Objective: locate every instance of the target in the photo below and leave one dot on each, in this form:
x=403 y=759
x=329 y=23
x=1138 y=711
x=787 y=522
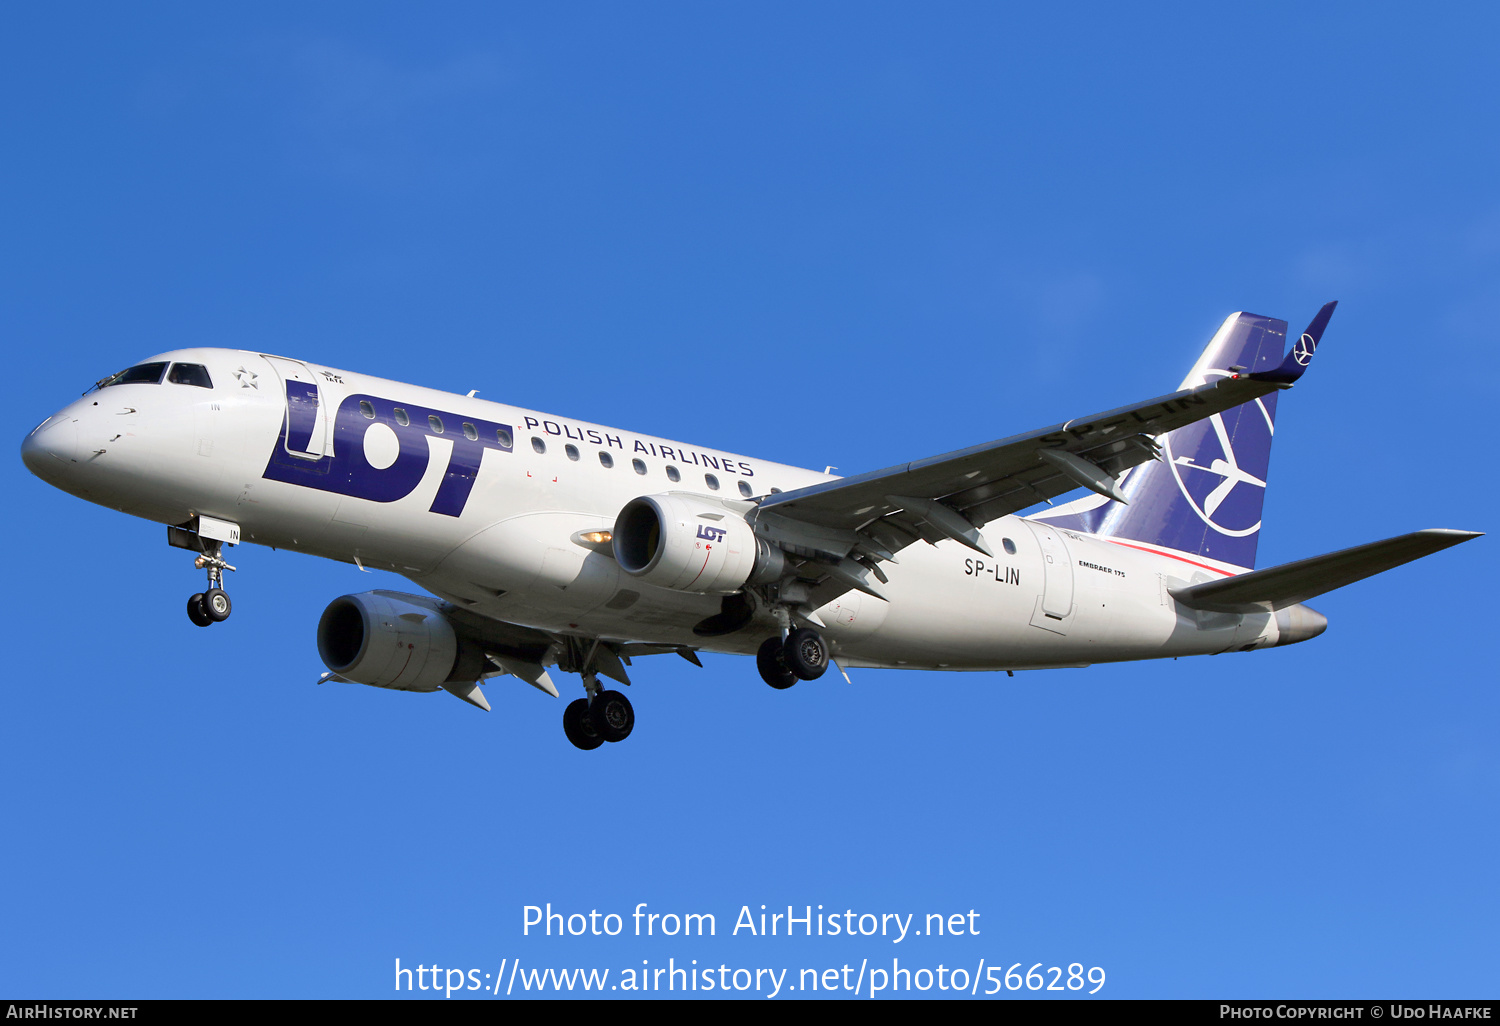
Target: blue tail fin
x=1205 y=495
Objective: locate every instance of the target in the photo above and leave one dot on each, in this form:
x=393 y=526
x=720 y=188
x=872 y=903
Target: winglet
x=1302 y=351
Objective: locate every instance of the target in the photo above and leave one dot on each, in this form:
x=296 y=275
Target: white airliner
x=550 y=542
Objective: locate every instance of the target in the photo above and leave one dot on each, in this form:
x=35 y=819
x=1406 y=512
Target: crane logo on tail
x=1225 y=490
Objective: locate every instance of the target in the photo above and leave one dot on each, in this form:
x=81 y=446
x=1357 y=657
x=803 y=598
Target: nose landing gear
x=211 y=605
x=207 y=536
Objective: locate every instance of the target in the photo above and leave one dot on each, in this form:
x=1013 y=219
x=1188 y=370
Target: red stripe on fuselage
x=1181 y=559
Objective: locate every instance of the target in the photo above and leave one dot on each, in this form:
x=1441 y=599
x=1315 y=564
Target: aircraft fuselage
x=485 y=504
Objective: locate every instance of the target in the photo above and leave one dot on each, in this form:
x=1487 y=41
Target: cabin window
x=673 y=474
x=572 y=451
x=471 y=432
x=745 y=489
x=190 y=374
x=606 y=460
x=367 y=410
x=1008 y=545
x=775 y=491
x=402 y=418
x=711 y=481
x=502 y=435
x=537 y=445
x=436 y=423
x=639 y=466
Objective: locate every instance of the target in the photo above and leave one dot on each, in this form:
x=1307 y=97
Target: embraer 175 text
x=551 y=542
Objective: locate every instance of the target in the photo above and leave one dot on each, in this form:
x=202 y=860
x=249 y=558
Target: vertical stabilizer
x=1204 y=496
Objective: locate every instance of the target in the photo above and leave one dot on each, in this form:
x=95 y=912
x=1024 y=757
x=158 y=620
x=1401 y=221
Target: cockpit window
x=140 y=374
x=190 y=374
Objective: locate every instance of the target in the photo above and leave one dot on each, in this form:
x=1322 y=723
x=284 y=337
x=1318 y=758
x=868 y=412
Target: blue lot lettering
x=348 y=472
x=712 y=534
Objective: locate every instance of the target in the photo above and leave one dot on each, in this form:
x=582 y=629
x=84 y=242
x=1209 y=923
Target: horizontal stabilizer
x=1278 y=587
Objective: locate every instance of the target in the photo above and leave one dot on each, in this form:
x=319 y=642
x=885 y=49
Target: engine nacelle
x=389 y=640
x=687 y=544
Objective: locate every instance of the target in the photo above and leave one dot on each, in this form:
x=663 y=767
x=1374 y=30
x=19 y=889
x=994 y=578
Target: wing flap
x=1278 y=587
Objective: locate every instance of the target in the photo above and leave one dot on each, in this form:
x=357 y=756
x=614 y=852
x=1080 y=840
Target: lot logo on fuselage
x=299 y=458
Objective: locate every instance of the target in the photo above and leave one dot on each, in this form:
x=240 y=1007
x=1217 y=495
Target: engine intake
x=388 y=640
x=686 y=544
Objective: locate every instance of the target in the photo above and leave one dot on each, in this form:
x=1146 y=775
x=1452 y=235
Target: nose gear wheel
x=196 y=612
x=216 y=605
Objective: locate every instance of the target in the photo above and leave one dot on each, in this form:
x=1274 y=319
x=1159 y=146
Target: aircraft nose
x=52 y=447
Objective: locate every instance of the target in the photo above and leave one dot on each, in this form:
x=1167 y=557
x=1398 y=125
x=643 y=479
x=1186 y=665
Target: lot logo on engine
x=712 y=534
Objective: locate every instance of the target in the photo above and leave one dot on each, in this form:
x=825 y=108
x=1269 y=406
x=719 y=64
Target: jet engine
x=687 y=544
x=390 y=640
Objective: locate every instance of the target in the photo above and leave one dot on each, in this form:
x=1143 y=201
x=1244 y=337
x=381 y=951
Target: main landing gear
x=603 y=716
x=801 y=655
x=212 y=605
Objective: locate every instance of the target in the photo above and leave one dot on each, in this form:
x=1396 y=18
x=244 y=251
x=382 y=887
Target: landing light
x=599 y=541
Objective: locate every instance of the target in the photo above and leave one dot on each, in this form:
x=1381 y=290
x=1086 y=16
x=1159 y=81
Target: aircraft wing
x=853 y=523
x=526 y=652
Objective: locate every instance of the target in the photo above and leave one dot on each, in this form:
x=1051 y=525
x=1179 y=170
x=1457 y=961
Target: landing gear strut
x=803 y=655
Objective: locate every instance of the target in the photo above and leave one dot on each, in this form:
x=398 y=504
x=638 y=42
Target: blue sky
x=845 y=234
